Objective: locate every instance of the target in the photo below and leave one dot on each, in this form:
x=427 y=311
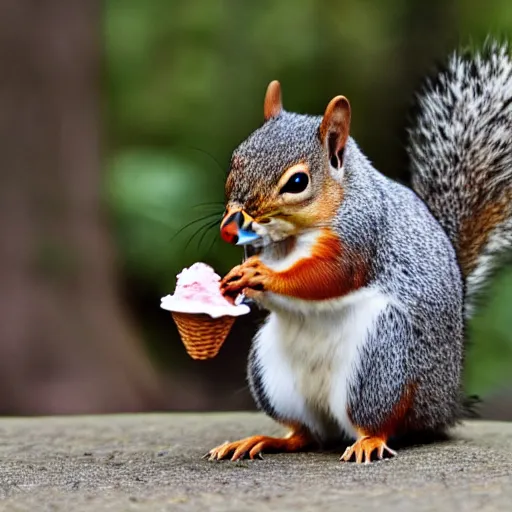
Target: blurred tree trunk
x=65 y=344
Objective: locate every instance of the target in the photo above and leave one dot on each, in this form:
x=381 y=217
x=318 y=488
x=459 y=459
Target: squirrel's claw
x=364 y=447
x=252 y=447
x=208 y=455
x=249 y=275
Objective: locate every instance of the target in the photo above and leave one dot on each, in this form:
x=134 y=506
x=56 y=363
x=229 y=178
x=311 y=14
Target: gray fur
x=419 y=339
x=461 y=152
x=259 y=162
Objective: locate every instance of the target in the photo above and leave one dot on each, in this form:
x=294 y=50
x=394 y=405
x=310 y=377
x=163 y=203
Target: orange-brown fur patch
x=336 y=120
x=475 y=231
x=265 y=202
x=312 y=213
x=324 y=208
x=328 y=273
x=272 y=106
x=397 y=420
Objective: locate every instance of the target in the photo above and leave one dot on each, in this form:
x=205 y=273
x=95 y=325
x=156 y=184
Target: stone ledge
x=153 y=462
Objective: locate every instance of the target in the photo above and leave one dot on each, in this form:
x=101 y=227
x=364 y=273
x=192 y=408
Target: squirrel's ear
x=272 y=106
x=335 y=128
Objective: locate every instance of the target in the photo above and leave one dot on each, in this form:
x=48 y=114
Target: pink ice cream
x=198 y=291
x=200 y=283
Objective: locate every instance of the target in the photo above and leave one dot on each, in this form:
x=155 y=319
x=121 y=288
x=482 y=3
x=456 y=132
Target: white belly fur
x=309 y=352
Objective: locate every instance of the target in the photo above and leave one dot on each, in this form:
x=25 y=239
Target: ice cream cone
x=202 y=335
x=202 y=314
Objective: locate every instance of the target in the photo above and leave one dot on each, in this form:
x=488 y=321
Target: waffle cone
x=201 y=334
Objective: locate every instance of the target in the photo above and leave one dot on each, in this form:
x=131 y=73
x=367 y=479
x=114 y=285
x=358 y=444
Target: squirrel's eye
x=296 y=184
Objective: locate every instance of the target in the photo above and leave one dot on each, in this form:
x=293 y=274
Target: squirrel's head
x=286 y=178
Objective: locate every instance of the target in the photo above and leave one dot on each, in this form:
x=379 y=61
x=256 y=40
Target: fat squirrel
x=369 y=284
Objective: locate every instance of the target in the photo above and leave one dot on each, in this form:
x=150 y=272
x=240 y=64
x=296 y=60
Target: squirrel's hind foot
x=253 y=447
x=364 y=447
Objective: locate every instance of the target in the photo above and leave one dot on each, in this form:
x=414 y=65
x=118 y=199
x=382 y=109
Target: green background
x=184 y=84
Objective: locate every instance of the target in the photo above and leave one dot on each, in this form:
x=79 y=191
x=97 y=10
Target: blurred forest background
x=117 y=121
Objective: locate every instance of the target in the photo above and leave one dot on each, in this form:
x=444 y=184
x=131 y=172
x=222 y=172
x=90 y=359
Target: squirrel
x=369 y=284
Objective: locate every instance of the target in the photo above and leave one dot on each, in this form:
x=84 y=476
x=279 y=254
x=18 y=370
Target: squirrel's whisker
x=204 y=227
x=207 y=231
x=218 y=167
x=193 y=222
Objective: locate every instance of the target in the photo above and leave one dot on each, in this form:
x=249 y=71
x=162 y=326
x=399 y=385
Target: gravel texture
x=153 y=463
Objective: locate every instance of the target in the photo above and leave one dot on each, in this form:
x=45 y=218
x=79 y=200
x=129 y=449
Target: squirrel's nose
x=230 y=225
x=237 y=228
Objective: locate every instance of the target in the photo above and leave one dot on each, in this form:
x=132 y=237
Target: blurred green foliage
x=185 y=84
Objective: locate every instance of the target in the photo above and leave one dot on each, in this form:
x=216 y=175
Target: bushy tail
x=460 y=147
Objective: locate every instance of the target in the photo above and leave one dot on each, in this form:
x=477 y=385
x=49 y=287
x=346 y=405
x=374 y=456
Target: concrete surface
x=153 y=463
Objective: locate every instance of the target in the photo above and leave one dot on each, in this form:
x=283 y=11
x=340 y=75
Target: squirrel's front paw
x=250 y=278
